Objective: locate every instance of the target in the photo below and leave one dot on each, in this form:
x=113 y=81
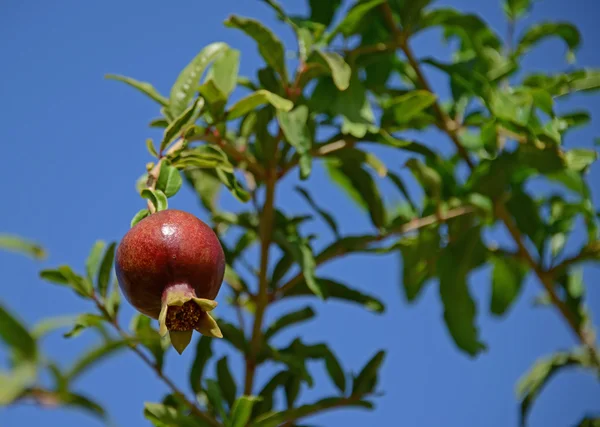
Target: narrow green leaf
x=207 y=187
x=169 y=180
x=78 y=401
x=532 y=383
x=20 y=245
x=203 y=355
x=515 y=9
x=213 y=391
x=113 y=302
x=156 y=197
x=48 y=325
x=327 y=217
x=360 y=186
x=256 y=99
x=407 y=107
x=16 y=336
x=419 y=257
x=226 y=381
x=144 y=87
x=453 y=267
x=340 y=291
x=295 y=128
x=233 y=185
x=242 y=410
x=139 y=216
x=274 y=419
x=224 y=71
x=580 y=159
x=269 y=46
x=106 y=269
x=366 y=381
x=292 y=389
x=149 y=337
x=85 y=321
x=181 y=122
x=150 y=147
x=159 y=122
x=340 y=70
x=351 y=21
x=16 y=381
x=92 y=263
x=507 y=277
x=302 y=252
x=93 y=357
x=289 y=319
x=184 y=88
x=166 y=416
x=566 y=31
x=63 y=275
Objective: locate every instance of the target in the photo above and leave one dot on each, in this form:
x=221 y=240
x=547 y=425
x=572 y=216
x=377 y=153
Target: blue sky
x=73 y=146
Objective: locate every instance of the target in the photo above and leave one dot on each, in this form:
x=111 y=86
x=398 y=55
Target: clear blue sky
x=73 y=146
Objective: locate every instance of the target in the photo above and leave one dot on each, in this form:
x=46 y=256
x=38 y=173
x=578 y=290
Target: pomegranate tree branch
x=152 y=365
x=449 y=127
x=412 y=225
x=262 y=298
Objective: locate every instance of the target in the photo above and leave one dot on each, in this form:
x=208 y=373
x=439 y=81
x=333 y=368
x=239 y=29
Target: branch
x=412 y=225
x=262 y=299
x=170 y=384
x=450 y=128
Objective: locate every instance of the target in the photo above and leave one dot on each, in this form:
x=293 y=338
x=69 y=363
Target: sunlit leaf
x=256 y=99
x=105 y=270
x=144 y=87
x=20 y=245
x=93 y=357
x=289 y=319
x=295 y=128
x=169 y=180
x=242 y=410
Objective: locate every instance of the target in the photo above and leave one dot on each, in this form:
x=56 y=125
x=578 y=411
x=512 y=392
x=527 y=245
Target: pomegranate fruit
x=170 y=267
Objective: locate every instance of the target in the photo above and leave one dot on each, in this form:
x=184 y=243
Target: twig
x=413 y=225
x=195 y=410
x=450 y=128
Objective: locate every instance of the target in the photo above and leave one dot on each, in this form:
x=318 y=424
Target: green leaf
x=226 y=381
x=408 y=106
x=169 y=180
x=256 y=99
x=213 y=391
x=515 y=9
x=156 y=197
x=233 y=185
x=63 y=275
x=166 y=416
x=302 y=252
x=150 y=146
x=589 y=422
x=224 y=71
x=295 y=128
x=327 y=217
x=214 y=97
x=242 y=410
x=532 y=383
x=106 y=269
x=292 y=389
x=366 y=381
x=146 y=88
x=428 y=177
x=207 y=187
x=269 y=46
x=453 y=267
x=203 y=355
x=93 y=357
x=580 y=159
x=353 y=18
x=85 y=321
x=507 y=277
x=360 y=186
x=184 y=88
x=278 y=418
x=339 y=291
x=568 y=32
x=289 y=319
x=323 y=12
x=181 y=122
x=20 y=245
x=16 y=381
x=113 y=302
x=584 y=80
x=48 y=325
x=16 y=336
x=143 y=213
x=339 y=69
x=419 y=258
x=78 y=401
x=92 y=263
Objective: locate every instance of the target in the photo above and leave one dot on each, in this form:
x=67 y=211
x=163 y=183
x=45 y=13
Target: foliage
x=356 y=79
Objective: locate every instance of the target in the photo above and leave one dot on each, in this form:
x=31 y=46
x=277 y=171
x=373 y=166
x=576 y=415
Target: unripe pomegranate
x=170 y=267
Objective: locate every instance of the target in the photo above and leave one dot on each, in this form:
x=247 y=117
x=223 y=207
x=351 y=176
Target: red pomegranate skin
x=165 y=249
